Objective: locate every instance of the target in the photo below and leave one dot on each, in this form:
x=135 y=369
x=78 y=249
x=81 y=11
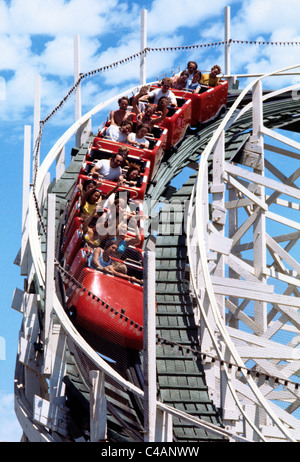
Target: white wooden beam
x=256 y=295
x=49 y=415
x=17 y=301
x=240 y=187
x=76 y=77
x=282 y=354
x=261 y=341
x=37 y=114
x=257 y=115
x=227 y=38
x=283 y=139
x=149 y=348
x=143 y=58
x=164 y=427
x=240 y=315
x=244 y=285
x=283 y=254
x=60 y=164
x=25 y=198
x=263 y=181
x=50 y=285
x=98 y=407
x=283 y=220
x=284 y=152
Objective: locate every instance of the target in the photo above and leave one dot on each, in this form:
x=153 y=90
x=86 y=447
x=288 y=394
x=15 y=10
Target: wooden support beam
x=261 y=180
x=149 y=347
x=98 y=407
x=51 y=416
x=164 y=427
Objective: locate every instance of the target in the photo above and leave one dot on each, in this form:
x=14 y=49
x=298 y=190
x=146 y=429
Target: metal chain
x=69 y=277
x=205 y=356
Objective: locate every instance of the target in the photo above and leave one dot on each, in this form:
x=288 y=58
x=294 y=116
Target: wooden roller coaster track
x=181 y=376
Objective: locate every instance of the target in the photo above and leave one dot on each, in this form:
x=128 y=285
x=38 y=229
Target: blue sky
x=36 y=38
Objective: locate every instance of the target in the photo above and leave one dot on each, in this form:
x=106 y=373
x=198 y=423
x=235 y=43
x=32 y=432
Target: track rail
x=82 y=359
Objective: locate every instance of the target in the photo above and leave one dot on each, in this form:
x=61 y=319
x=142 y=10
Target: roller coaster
x=220 y=292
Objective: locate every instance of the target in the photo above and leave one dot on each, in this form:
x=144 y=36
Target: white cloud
x=50 y=54
x=14 y=51
x=110 y=31
x=10 y=429
x=213 y=33
x=57 y=57
x=268 y=16
x=156 y=62
x=269 y=21
x=59 y=17
x=166 y=16
x=18 y=95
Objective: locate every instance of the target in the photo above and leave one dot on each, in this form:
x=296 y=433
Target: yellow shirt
x=206 y=79
x=88 y=209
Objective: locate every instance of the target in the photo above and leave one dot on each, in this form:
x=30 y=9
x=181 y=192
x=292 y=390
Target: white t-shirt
x=132 y=137
x=109 y=203
x=108 y=172
x=114 y=134
x=157 y=93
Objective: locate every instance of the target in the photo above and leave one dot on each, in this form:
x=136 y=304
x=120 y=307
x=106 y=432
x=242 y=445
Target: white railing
x=197 y=239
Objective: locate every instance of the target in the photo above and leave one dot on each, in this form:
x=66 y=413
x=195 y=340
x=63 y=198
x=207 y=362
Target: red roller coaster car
x=107 y=305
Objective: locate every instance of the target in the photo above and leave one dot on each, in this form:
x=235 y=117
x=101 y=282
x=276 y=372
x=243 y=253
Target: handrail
x=198 y=193
x=264 y=98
